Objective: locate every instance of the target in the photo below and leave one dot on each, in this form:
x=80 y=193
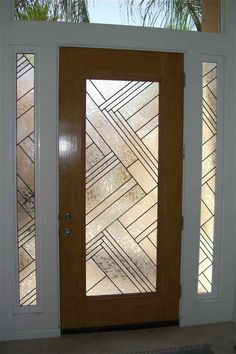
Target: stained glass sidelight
x=25 y=178
x=208 y=178
x=121 y=186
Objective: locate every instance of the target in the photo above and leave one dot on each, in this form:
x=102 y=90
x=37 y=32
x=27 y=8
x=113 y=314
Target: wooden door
x=120 y=148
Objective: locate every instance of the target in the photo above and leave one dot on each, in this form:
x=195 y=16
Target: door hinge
x=180 y=291
x=182 y=223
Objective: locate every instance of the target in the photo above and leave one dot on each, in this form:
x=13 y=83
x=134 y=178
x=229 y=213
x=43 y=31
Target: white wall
x=235 y=188
x=46 y=37
x=1 y=152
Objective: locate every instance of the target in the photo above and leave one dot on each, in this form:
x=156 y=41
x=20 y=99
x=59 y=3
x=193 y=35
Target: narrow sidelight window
x=25 y=178
x=208 y=177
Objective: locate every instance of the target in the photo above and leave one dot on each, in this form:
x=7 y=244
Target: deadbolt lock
x=67 y=231
x=67 y=216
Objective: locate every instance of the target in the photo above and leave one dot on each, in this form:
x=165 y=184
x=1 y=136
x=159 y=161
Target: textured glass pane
x=121 y=186
x=209 y=116
x=25 y=157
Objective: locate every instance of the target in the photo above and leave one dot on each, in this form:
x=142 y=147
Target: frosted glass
x=207 y=218
x=121 y=186
x=25 y=169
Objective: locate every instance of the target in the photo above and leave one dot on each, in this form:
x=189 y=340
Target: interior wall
x=46 y=38
x=1 y=184
x=235 y=197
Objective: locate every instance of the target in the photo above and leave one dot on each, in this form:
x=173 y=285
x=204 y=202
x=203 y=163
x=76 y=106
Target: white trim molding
x=47 y=38
x=19 y=335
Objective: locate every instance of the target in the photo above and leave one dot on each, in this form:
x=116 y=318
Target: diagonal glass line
x=18 y=77
x=33 y=259
x=212 y=170
x=151 y=239
x=107 y=169
x=107 y=276
x=121 y=265
x=124 y=193
x=105 y=164
x=205 y=269
x=25 y=183
x=32 y=218
x=25 y=94
x=93 y=286
x=29 y=294
x=127 y=130
x=206 y=241
x=22 y=66
x=131 y=91
x=32 y=302
x=26 y=227
x=99 y=164
x=205 y=250
x=208 y=140
x=151 y=169
x=209 y=88
x=203 y=201
x=118 y=94
x=90 y=243
x=28 y=136
x=92 y=83
x=132 y=96
x=142 y=235
x=130 y=260
x=145 y=105
x=207 y=85
x=209 y=110
x=25 y=153
x=94 y=252
x=209 y=155
x=207 y=279
x=146 y=286
x=143 y=126
x=137 y=243
x=140 y=215
x=208 y=72
x=26 y=239
x=210 y=126
x=94 y=248
x=31 y=263
x=109 y=200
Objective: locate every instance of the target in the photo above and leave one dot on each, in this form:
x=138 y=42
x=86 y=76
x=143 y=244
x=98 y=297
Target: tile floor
x=222 y=336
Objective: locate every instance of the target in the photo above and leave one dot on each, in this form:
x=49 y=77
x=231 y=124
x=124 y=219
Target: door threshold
x=125 y=327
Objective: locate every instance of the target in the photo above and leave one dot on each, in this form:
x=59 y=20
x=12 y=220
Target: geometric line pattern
x=208 y=177
x=122 y=122
x=25 y=169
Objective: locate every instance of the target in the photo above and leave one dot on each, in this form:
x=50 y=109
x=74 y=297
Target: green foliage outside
x=172 y=14
x=52 y=10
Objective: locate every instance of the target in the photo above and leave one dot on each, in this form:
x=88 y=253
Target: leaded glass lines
x=121 y=186
x=208 y=178
x=25 y=178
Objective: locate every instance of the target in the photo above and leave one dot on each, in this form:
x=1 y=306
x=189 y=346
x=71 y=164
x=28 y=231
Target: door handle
x=67 y=231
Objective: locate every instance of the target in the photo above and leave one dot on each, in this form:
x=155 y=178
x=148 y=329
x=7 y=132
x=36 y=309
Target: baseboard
x=33 y=334
x=195 y=321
